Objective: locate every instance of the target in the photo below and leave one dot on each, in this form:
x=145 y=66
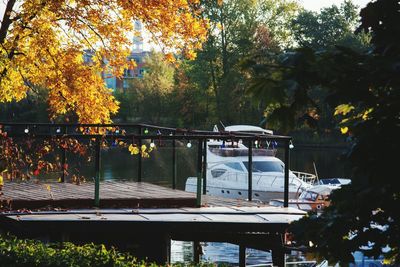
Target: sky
x=314 y=5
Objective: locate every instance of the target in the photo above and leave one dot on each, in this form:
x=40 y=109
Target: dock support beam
x=250 y=171
x=242 y=256
x=205 y=167
x=197 y=251
x=154 y=247
x=278 y=257
x=174 y=173
x=199 y=171
x=97 y=174
x=286 y=184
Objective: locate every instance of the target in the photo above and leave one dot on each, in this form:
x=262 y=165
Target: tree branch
x=5 y=25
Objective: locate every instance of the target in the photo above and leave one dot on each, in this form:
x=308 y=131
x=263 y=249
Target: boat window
x=308 y=195
x=265 y=166
x=217 y=172
x=234 y=165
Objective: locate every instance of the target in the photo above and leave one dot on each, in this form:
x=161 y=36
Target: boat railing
x=276 y=178
x=306 y=177
x=241 y=177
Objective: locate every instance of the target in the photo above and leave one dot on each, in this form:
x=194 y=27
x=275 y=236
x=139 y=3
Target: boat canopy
x=248 y=129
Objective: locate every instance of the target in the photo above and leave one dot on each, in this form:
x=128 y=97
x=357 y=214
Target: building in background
x=138 y=55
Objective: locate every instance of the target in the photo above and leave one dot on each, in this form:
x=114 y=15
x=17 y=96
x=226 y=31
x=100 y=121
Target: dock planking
x=113 y=194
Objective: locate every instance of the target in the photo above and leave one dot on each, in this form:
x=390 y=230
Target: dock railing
x=137 y=133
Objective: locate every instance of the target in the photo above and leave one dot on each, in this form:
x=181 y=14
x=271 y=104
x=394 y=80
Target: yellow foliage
x=170 y=57
x=365 y=115
x=43 y=44
x=344 y=130
x=133 y=149
x=144 y=152
x=343 y=109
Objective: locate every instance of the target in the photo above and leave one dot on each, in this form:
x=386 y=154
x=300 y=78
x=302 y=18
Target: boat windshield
x=265 y=166
x=234 y=165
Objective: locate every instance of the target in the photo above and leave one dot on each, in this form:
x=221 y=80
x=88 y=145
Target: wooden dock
x=113 y=194
x=148 y=215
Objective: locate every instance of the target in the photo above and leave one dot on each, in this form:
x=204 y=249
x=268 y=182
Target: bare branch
x=6 y=22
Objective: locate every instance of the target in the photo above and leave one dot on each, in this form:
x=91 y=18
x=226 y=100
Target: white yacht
x=227 y=170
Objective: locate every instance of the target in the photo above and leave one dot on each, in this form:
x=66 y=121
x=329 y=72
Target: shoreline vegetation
x=15 y=252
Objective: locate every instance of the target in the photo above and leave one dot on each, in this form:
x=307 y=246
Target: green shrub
x=16 y=252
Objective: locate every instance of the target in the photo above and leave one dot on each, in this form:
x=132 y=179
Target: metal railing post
x=250 y=171
x=286 y=185
x=199 y=168
x=205 y=167
x=174 y=164
x=97 y=174
x=139 y=179
x=63 y=159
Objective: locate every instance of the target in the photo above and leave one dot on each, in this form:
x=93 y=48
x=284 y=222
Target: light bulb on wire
x=189 y=145
x=291 y=146
x=152 y=145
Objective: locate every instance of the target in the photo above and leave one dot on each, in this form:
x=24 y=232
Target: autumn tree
x=42 y=44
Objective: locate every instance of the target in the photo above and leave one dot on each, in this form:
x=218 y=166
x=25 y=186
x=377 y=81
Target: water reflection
x=219 y=253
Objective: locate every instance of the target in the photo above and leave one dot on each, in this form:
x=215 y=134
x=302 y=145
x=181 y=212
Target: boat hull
x=240 y=193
